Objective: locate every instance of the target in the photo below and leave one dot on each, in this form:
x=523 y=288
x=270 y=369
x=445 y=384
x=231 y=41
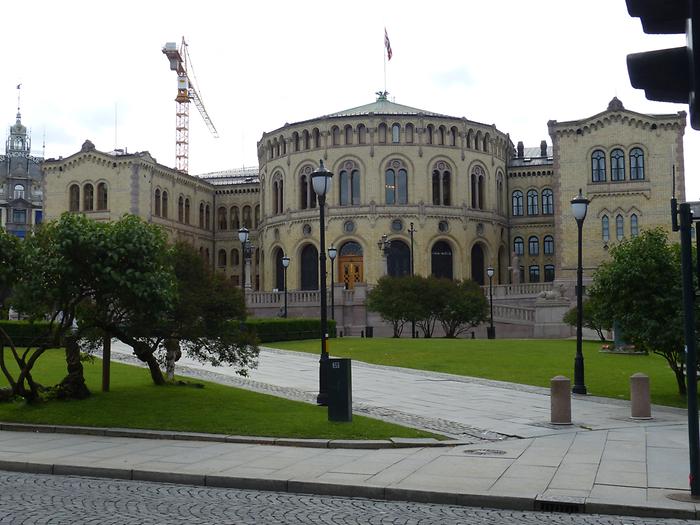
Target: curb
x=222 y=438
x=377 y=492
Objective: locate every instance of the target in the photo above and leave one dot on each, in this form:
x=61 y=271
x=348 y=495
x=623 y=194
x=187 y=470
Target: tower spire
x=19 y=91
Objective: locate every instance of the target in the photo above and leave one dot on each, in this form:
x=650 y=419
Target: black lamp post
x=491 y=330
x=321 y=180
x=332 y=253
x=243 y=237
x=411 y=231
x=285 y=265
x=579 y=207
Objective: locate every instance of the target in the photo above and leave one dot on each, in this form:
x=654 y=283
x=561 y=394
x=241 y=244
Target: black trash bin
x=369 y=331
x=339 y=390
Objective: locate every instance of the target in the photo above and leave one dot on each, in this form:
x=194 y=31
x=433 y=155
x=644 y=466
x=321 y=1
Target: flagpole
x=384 y=55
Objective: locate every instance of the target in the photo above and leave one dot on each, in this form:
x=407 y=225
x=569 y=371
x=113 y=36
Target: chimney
x=521 y=149
x=543 y=148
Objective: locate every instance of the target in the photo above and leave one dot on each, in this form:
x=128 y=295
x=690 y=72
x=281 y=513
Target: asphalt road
x=29 y=499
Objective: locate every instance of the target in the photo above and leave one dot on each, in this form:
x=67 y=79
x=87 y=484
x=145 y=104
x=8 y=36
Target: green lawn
x=134 y=402
x=531 y=362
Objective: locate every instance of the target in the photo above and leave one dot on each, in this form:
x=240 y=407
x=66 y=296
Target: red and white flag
x=387 y=44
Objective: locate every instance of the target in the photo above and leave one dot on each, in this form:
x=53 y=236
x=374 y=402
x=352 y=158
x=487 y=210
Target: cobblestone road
x=38 y=499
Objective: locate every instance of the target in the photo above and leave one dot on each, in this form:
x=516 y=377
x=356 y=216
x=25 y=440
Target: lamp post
x=332 y=253
x=285 y=265
x=243 y=237
x=579 y=207
x=411 y=231
x=321 y=180
x=491 y=330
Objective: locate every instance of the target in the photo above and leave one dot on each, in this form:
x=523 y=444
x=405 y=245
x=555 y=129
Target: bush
x=276 y=329
x=25 y=333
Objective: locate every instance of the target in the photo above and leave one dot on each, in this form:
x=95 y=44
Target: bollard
x=362 y=333
x=560 y=395
x=640 y=396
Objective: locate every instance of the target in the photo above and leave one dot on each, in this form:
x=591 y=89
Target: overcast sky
x=512 y=63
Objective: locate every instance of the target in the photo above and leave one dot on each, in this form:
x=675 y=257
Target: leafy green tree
x=593 y=317
x=464 y=307
x=388 y=299
x=640 y=288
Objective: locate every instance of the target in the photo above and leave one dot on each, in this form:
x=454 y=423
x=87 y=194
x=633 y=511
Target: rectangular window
x=548 y=273
x=534 y=274
x=38 y=217
x=19 y=216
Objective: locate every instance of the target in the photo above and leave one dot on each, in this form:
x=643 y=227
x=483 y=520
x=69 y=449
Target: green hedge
x=24 y=333
x=276 y=329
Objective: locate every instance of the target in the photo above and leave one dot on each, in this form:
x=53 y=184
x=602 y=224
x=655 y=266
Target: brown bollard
x=561 y=400
x=640 y=396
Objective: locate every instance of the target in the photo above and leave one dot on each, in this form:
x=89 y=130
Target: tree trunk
x=145 y=353
x=73 y=385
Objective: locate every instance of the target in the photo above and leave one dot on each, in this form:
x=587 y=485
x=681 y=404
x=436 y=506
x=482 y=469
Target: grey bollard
x=560 y=400
x=640 y=396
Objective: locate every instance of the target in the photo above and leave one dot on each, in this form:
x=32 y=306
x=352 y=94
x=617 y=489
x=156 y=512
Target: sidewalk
x=605 y=463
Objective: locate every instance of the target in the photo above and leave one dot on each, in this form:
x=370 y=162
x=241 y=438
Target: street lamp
x=579 y=207
x=285 y=265
x=332 y=253
x=243 y=237
x=411 y=231
x=491 y=330
x=321 y=180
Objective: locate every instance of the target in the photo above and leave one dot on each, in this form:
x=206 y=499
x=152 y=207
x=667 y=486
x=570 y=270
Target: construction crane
x=186 y=91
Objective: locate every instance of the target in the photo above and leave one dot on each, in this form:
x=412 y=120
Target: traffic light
x=668 y=75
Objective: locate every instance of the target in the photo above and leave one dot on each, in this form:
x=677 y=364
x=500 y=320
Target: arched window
x=181 y=209
x=207 y=217
x=431 y=133
x=221 y=259
x=477 y=183
x=547 y=202
x=283 y=142
x=102 y=197
x=441 y=184
x=487 y=141
x=235 y=220
x=548 y=245
x=295 y=141
x=277 y=194
x=381 y=131
x=517 y=203
x=453 y=136
x=634 y=225
x=19 y=191
x=349 y=186
x=617 y=165
x=335 y=135
x=306 y=138
x=409 y=133
x=534 y=272
x=157 y=203
x=361 y=134
x=478 y=267
x=499 y=193
x=532 y=199
x=247 y=223
x=165 y=204
x=309 y=268
x=235 y=257
x=598 y=166
x=605 y=223
x=348 y=134
x=477 y=141
x=317 y=137
x=441 y=260
x=533 y=245
x=74 y=198
x=470 y=138
x=398 y=260
x=441 y=135
x=396 y=183
x=395 y=133
x=257 y=215
x=548 y=273
x=201 y=215
x=636 y=164
x=221 y=219
x=88 y=197
x=619 y=227
x=518 y=246
x=187 y=213
x=306 y=190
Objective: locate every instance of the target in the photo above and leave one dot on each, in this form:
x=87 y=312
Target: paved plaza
x=505 y=454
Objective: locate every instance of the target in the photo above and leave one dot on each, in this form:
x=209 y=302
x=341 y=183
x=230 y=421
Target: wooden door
x=350 y=271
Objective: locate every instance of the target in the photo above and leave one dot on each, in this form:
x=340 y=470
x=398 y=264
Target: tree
x=204 y=318
x=640 y=288
x=593 y=317
x=387 y=299
x=464 y=307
